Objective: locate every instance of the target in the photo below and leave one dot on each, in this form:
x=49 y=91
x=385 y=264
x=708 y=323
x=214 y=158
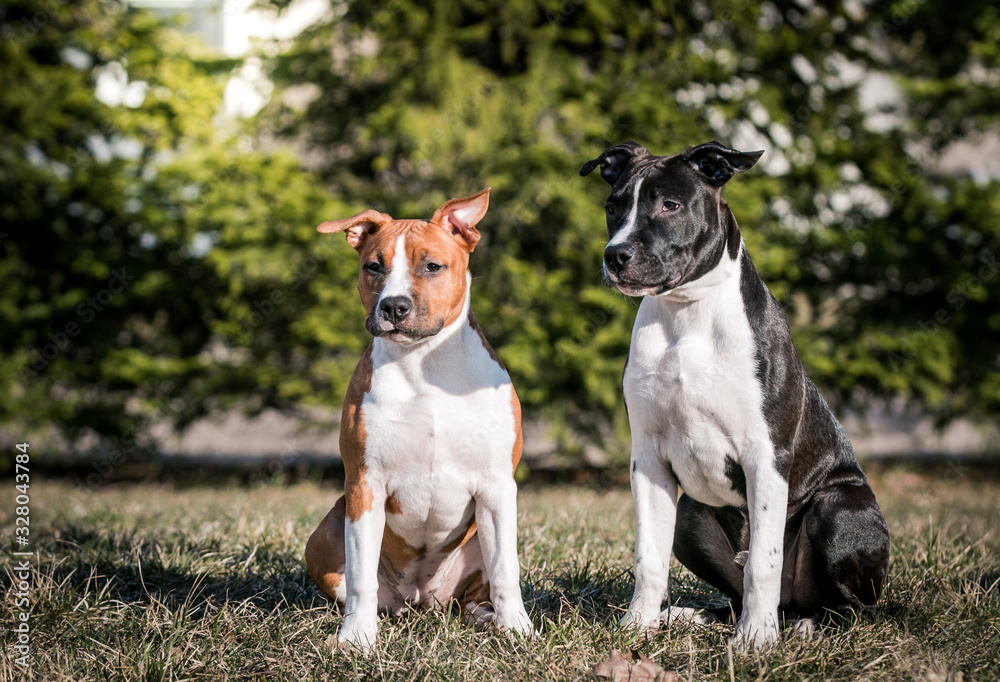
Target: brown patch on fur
x=352 y=440
x=325 y=551
x=473 y=589
x=397 y=551
x=392 y=506
x=382 y=247
x=359 y=495
x=462 y=538
x=515 y=406
x=438 y=296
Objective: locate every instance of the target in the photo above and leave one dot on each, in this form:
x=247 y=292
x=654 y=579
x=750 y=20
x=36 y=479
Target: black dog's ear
x=717 y=163
x=614 y=160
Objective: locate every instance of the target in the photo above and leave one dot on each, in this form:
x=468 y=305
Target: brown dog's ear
x=614 y=160
x=358 y=227
x=460 y=216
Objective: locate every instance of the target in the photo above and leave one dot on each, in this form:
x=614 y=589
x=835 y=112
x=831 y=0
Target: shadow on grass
x=176 y=572
x=203 y=574
x=600 y=593
x=591 y=592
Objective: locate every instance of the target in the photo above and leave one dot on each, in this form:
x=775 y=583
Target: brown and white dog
x=430 y=437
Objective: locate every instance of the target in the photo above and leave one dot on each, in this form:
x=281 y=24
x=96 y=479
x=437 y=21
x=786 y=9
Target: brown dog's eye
x=374 y=268
x=433 y=267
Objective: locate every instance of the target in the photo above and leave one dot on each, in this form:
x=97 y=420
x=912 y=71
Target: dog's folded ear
x=614 y=160
x=358 y=227
x=460 y=216
x=718 y=163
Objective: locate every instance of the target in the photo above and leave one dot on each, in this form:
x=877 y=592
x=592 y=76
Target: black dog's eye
x=433 y=267
x=374 y=268
x=610 y=209
x=669 y=206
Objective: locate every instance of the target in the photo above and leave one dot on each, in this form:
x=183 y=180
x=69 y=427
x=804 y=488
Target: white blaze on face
x=399 y=282
x=625 y=230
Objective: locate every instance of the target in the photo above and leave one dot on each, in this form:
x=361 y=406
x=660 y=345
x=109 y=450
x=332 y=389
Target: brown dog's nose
x=394 y=309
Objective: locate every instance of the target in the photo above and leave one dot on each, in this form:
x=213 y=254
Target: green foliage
x=115 y=311
x=887 y=269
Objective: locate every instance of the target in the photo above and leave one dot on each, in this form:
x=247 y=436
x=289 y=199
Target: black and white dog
x=776 y=513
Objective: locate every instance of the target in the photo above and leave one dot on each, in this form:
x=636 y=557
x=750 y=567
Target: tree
x=156 y=266
x=887 y=269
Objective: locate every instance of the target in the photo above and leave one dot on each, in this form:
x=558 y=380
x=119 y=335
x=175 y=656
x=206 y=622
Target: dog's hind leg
x=474 y=596
x=849 y=546
x=325 y=554
x=712 y=543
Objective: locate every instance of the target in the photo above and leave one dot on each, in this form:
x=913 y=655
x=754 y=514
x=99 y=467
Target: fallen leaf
x=635 y=668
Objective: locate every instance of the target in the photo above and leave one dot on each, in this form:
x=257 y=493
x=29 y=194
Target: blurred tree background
x=886 y=264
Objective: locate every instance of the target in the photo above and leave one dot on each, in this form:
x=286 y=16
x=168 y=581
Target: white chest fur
x=440 y=426
x=691 y=384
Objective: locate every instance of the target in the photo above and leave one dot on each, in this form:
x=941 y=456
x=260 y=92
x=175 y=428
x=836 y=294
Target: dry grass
x=156 y=583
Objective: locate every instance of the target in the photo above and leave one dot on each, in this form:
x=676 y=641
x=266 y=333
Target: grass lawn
x=151 y=582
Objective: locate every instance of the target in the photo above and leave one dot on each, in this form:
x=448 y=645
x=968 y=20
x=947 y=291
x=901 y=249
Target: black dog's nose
x=617 y=256
x=395 y=308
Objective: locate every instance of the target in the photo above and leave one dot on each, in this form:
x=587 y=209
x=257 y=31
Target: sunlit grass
x=152 y=582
